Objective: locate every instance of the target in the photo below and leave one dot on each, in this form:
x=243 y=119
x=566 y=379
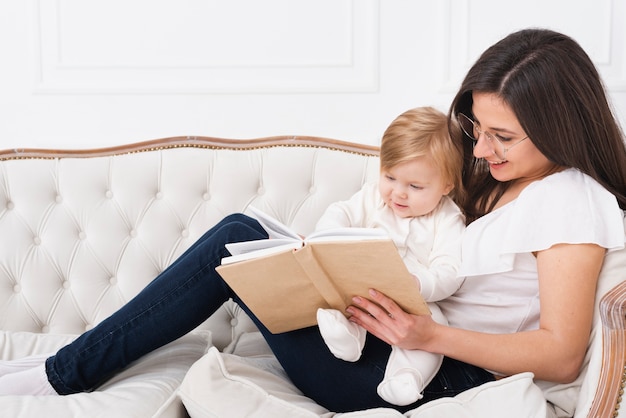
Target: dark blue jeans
x=188 y=292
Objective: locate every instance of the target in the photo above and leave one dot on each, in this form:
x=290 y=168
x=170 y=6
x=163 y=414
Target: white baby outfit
x=430 y=246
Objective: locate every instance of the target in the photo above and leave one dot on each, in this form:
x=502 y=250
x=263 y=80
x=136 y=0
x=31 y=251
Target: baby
x=419 y=167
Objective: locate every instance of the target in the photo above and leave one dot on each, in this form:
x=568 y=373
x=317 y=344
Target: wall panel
x=92 y=73
x=206 y=47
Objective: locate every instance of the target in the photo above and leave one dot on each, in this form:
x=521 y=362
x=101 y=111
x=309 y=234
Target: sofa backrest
x=81 y=232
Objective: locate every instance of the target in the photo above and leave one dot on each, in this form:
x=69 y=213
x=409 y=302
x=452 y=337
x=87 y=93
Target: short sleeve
x=568 y=207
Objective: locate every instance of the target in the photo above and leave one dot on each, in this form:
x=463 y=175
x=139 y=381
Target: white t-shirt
x=429 y=245
x=500 y=292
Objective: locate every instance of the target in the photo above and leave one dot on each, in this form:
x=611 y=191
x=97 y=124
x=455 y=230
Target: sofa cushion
x=514 y=396
x=147 y=388
x=215 y=385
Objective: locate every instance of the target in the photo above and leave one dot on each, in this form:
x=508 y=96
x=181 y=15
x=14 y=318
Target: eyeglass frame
x=490 y=136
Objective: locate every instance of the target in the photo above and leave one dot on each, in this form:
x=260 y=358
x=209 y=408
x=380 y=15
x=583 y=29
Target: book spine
x=320 y=279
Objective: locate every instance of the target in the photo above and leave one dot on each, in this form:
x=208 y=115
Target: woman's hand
x=382 y=317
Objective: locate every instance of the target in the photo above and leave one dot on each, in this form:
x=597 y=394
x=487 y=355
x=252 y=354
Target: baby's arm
x=440 y=278
x=350 y=213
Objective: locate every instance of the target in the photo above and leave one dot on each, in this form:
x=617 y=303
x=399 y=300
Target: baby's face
x=413 y=188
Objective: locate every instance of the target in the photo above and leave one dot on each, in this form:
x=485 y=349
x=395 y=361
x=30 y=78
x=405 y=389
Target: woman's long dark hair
x=555 y=91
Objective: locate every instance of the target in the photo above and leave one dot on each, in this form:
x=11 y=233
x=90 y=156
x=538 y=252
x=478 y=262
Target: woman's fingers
x=366 y=314
x=385 y=319
x=380 y=307
x=377 y=315
x=387 y=304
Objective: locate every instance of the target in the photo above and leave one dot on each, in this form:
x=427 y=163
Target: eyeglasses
x=496 y=143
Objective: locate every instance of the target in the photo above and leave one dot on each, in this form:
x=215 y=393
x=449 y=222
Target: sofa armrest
x=610 y=388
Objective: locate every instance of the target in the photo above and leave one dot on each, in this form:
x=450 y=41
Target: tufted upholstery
x=80 y=235
x=81 y=232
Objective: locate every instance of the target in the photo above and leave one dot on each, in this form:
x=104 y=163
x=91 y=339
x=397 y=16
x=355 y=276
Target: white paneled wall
x=91 y=73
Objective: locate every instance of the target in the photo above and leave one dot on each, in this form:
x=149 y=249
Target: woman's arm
x=568 y=275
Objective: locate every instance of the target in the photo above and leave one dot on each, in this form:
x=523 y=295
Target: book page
x=247 y=250
x=273 y=226
x=244 y=247
x=283 y=238
x=278 y=230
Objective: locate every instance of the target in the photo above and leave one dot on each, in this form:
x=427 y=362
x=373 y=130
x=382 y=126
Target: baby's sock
x=33 y=381
x=14 y=366
x=403 y=388
x=344 y=339
x=406 y=375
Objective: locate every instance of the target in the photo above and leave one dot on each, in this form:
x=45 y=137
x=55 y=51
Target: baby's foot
x=403 y=388
x=344 y=339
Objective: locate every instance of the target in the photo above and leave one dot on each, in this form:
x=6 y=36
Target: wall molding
x=467 y=36
x=345 y=60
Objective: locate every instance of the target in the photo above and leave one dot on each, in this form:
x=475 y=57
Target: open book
x=283 y=238
x=286 y=278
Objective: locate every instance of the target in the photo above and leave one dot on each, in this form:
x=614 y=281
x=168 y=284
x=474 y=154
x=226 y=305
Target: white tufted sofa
x=81 y=232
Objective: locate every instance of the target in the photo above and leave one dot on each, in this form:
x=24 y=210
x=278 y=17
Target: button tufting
x=159 y=195
x=184 y=233
x=113 y=280
x=45 y=329
x=37 y=241
x=17 y=288
x=59 y=198
x=234 y=322
x=312 y=189
x=261 y=191
x=10 y=205
x=206 y=196
x=132 y=233
x=108 y=194
x=82 y=235
x=66 y=284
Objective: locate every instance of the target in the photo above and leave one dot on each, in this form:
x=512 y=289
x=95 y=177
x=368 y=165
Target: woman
x=546 y=152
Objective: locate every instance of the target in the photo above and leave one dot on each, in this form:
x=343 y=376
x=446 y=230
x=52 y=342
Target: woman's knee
x=240 y=227
x=242 y=219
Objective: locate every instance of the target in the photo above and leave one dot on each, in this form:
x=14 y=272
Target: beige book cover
x=284 y=289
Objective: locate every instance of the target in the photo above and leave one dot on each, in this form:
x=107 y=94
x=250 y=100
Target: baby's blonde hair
x=423 y=131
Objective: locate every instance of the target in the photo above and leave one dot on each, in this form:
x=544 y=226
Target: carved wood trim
x=193 y=141
x=608 y=397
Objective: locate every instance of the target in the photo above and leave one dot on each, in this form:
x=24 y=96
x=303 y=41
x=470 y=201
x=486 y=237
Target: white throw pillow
x=514 y=396
x=222 y=384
